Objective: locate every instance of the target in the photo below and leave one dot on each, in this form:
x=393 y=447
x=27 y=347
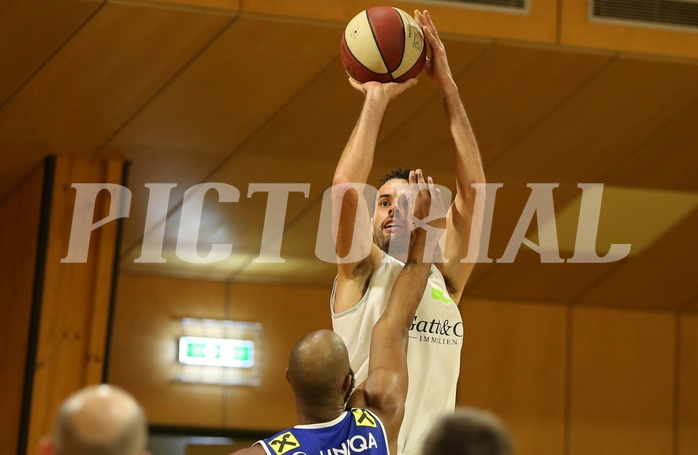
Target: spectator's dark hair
x=468 y=431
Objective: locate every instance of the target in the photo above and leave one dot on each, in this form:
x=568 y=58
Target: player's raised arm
x=467 y=165
x=350 y=213
x=385 y=389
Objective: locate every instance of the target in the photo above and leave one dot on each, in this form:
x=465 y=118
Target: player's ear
x=286 y=374
x=349 y=383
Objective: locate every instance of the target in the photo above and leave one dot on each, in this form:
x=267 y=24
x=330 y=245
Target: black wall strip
x=114 y=283
x=37 y=296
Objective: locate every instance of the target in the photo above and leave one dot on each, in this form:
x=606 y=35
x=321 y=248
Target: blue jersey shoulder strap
x=357 y=431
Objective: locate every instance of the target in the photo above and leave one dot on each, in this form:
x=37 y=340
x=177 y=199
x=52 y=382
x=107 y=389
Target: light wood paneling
x=667 y=265
x=603 y=123
x=18 y=243
x=20 y=156
x=182 y=88
x=524 y=85
x=513 y=363
x=31 y=31
x=577 y=30
x=219 y=100
x=669 y=160
x=242 y=223
x=528 y=277
x=85 y=97
x=622 y=382
x=144 y=347
x=688 y=392
x=287 y=313
x=75 y=298
x=218 y=104
x=223 y=5
x=537 y=24
x=159 y=166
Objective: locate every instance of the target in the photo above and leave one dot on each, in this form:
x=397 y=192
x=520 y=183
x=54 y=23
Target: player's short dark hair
x=398 y=173
x=469 y=431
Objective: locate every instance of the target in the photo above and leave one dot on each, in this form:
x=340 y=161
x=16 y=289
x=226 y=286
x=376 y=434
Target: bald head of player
x=320 y=376
x=98 y=420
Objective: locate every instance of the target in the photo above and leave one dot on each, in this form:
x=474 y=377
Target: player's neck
x=393 y=250
x=399 y=255
x=308 y=415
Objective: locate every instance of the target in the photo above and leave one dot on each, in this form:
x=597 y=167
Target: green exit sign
x=221 y=352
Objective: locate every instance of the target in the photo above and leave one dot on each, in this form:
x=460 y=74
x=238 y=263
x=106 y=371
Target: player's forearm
x=391 y=331
x=354 y=167
x=410 y=284
x=357 y=158
x=468 y=163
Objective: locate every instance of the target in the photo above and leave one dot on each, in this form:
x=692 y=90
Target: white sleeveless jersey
x=433 y=353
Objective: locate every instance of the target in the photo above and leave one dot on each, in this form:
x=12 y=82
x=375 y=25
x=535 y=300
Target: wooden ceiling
x=200 y=93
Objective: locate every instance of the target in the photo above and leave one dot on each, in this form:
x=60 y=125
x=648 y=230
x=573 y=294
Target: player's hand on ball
x=389 y=89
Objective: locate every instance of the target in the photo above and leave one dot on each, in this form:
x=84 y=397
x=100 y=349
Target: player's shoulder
x=367 y=420
x=455 y=277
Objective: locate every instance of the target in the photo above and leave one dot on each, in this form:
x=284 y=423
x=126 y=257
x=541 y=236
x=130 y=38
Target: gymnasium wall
x=579 y=380
x=565 y=23
x=18 y=243
x=566 y=379
x=144 y=348
x=54 y=325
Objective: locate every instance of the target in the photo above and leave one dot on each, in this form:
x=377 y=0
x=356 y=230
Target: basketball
x=383 y=44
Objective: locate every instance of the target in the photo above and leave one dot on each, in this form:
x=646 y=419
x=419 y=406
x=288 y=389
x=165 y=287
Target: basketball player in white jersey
x=330 y=420
x=366 y=271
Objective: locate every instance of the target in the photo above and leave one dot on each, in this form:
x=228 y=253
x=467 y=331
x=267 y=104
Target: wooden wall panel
x=524 y=85
x=577 y=30
x=75 y=298
x=513 y=364
x=144 y=348
x=669 y=285
x=538 y=24
x=622 y=382
x=602 y=123
x=287 y=313
x=604 y=387
x=675 y=173
x=19 y=232
x=36 y=29
x=232 y=87
x=223 y=5
x=688 y=386
x=103 y=74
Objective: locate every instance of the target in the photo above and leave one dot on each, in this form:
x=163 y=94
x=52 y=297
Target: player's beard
x=393 y=245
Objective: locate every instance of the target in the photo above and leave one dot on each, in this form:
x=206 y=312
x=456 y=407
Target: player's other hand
x=436 y=66
x=428 y=205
